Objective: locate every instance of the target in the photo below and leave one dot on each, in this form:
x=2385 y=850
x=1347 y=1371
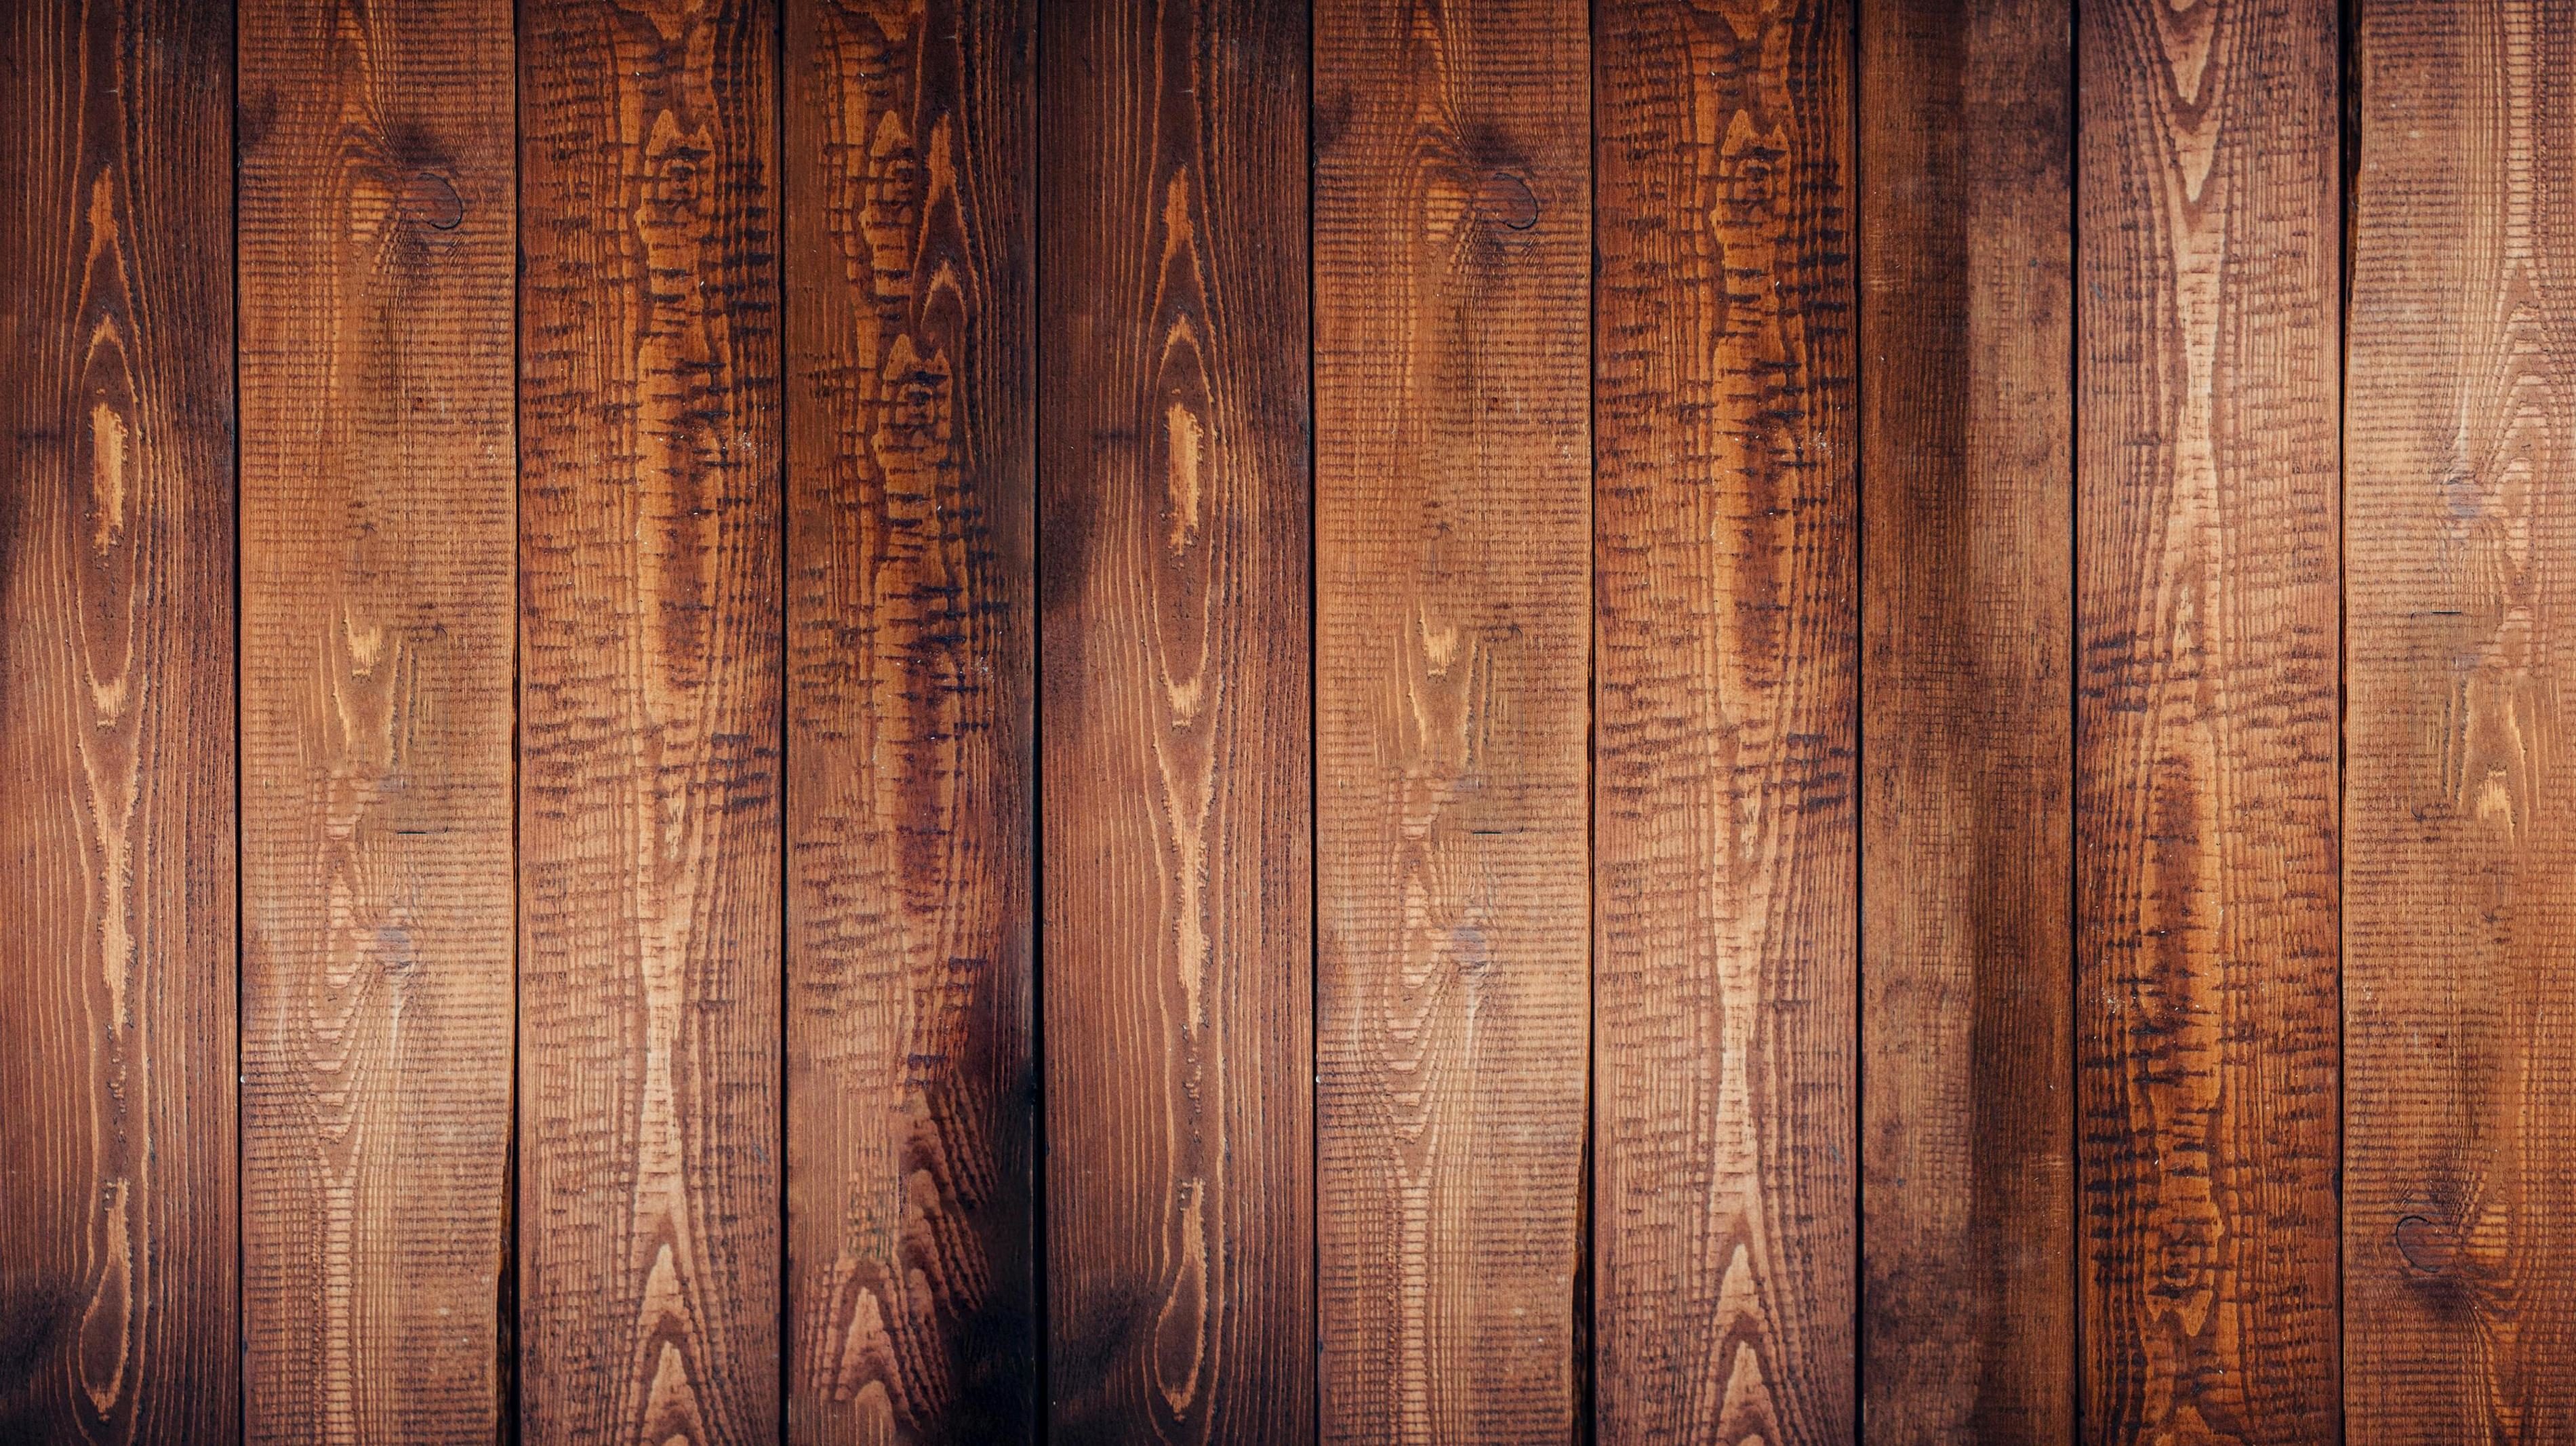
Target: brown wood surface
x=907 y=145
x=1728 y=622
x=2205 y=736
x=1174 y=477
x=117 y=1289
x=1967 y=1029
x=2460 y=1027
x=1453 y=532
x=378 y=497
x=650 y=697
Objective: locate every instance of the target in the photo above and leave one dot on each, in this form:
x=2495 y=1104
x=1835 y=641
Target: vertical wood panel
x=650 y=691
x=2206 y=726
x=1968 y=1143
x=378 y=497
x=117 y=1041
x=2460 y=1210
x=1452 y=242
x=908 y=152
x=1728 y=625
x=1176 y=686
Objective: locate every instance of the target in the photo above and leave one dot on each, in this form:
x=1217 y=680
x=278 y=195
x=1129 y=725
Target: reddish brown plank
x=1175 y=498
x=907 y=143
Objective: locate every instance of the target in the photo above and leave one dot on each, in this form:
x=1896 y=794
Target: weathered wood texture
x=1966 y=325
x=117 y=1043
x=908 y=152
x=378 y=496
x=651 y=625
x=2460 y=1029
x=1174 y=477
x=2206 y=723
x=1453 y=524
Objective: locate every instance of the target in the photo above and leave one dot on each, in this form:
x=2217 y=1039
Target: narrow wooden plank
x=1452 y=246
x=377 y=515
x=2460 y=1063
x=650 y=699
x=1177 y=685
x=1967 y=470
x=1724 y=812
x=2206 y=723
x=908 y=150
x=118 y=1294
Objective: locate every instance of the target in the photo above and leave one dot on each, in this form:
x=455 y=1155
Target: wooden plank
x=1724 y=813
x=1967 y=1008
x=2206 y=720
x=908 y=149
x=378 y=505
x=2460 y=1065
x=650 y=629
x=1452 y=251
x=1177 y=686
x=118 y=1303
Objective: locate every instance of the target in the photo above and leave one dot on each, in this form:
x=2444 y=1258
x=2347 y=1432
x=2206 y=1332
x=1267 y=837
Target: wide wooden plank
x=1728 y=622
x=908 y=146
x=1967 y=470
x=1176 y=688
x=2459 y=807
x=650 y=699
x=378 y=504
x=2205 y=742
x=118 y=1293
x=1453 y=534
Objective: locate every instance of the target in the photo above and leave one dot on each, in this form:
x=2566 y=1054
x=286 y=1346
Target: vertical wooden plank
x=117 y=1285
x=378 y=505
x=1452 y=244
x=1176 y=686
x=908 y=151
x=650 y=629
x=1967 y=470
x=1728 y=629
x=2206 y=722
x=2460 y=1068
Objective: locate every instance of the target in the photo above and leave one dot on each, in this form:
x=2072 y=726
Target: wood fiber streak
x=1174 y=496
x=650 y=629
x=1728 y=622
x=908 y=150
x=1968 y=1118
x=2206 y=722
x=1453 y=516
x=2460 y=1065
x=117 y=1283
x=378 y=497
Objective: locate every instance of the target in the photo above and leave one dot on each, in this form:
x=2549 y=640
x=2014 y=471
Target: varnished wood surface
x=378 y=611
x=907 y=144
x=650 y=706
x=1967 y=1012
x=1452 y=243
x=2206 y=736
x=118 y=1292
x=1175 y=503
x=2460 y=1065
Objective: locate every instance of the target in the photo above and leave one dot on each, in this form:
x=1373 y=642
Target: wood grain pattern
x=651 y=624
x=908 y=150
x=378 y=505
x=117 y=1284
x=1967 y=1010
x=2460 y=1065
x=1174 y=493
x=1728 y=623
x=1452 y=241
x=2206 y=720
